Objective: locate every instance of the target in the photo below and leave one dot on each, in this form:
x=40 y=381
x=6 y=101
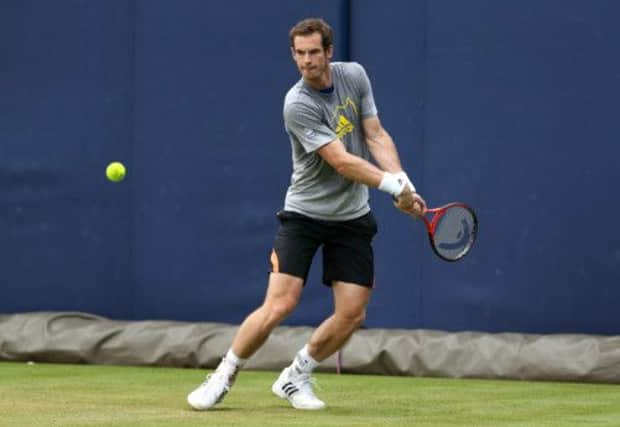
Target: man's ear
x=330 y=52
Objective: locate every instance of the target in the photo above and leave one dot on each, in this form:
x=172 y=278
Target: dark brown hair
x=310 y=26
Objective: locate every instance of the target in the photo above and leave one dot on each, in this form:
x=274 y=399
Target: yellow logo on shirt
x=344 y=125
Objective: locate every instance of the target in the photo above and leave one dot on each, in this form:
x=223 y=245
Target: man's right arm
x=314 y=135
x=357 y=169
x=350 y=166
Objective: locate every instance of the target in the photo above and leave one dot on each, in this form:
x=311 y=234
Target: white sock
x=304 y=363
x=233 y=359
x=230 y=364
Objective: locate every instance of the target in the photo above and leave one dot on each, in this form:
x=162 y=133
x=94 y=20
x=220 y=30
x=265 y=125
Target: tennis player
x=331 y=119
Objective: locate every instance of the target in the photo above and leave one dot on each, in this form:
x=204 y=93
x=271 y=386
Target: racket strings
x=455 y=233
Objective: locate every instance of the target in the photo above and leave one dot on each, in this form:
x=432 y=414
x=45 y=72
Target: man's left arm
x=381 y=145
x=384 y=152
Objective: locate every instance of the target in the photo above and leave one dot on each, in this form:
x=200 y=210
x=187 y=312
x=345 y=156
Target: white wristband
x=390 y=183
x=402 y=175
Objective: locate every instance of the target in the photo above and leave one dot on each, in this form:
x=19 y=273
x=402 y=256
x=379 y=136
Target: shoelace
x=217 y=376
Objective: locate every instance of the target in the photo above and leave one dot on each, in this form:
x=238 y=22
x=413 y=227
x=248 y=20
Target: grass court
x=87 y=395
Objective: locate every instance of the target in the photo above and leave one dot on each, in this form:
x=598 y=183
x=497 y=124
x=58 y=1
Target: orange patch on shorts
x=275 y=262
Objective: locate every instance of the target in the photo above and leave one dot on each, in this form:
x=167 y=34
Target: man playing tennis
x=331 y=119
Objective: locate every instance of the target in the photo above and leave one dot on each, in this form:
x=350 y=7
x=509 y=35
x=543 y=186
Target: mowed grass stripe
x=87 y=395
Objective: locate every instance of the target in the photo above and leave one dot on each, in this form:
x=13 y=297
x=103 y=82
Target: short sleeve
x=307 y=127
x=368 y=107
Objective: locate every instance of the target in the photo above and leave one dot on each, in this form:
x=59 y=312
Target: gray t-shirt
x=313 y=119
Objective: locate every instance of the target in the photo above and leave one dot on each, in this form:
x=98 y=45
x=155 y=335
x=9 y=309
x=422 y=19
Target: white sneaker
x=297 y=388
x=210 y=392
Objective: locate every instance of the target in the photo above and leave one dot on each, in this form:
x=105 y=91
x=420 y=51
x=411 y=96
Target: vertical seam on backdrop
x=349 y=29
x=132 y=140
x=423 y=123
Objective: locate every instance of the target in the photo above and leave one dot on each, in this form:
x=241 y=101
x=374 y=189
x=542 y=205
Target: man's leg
x=282 y=297
x=350 y=301
x=283 y=293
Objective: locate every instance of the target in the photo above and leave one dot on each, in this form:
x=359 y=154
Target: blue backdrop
x=511 y=106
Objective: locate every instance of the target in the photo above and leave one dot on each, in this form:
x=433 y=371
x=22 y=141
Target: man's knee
x=282 y=308
x=277 y=309
x=282 y=297
x=353 y=316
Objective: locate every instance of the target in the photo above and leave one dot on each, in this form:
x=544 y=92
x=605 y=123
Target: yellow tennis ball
x=115 y=171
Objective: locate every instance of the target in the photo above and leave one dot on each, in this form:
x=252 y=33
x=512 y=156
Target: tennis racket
x=452 y=230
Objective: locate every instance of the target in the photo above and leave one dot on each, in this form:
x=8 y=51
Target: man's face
x=311 y=59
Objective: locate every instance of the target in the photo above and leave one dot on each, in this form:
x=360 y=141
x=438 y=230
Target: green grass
x=86 y=395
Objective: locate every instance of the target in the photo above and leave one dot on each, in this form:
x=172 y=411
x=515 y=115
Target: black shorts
x=347 y=247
